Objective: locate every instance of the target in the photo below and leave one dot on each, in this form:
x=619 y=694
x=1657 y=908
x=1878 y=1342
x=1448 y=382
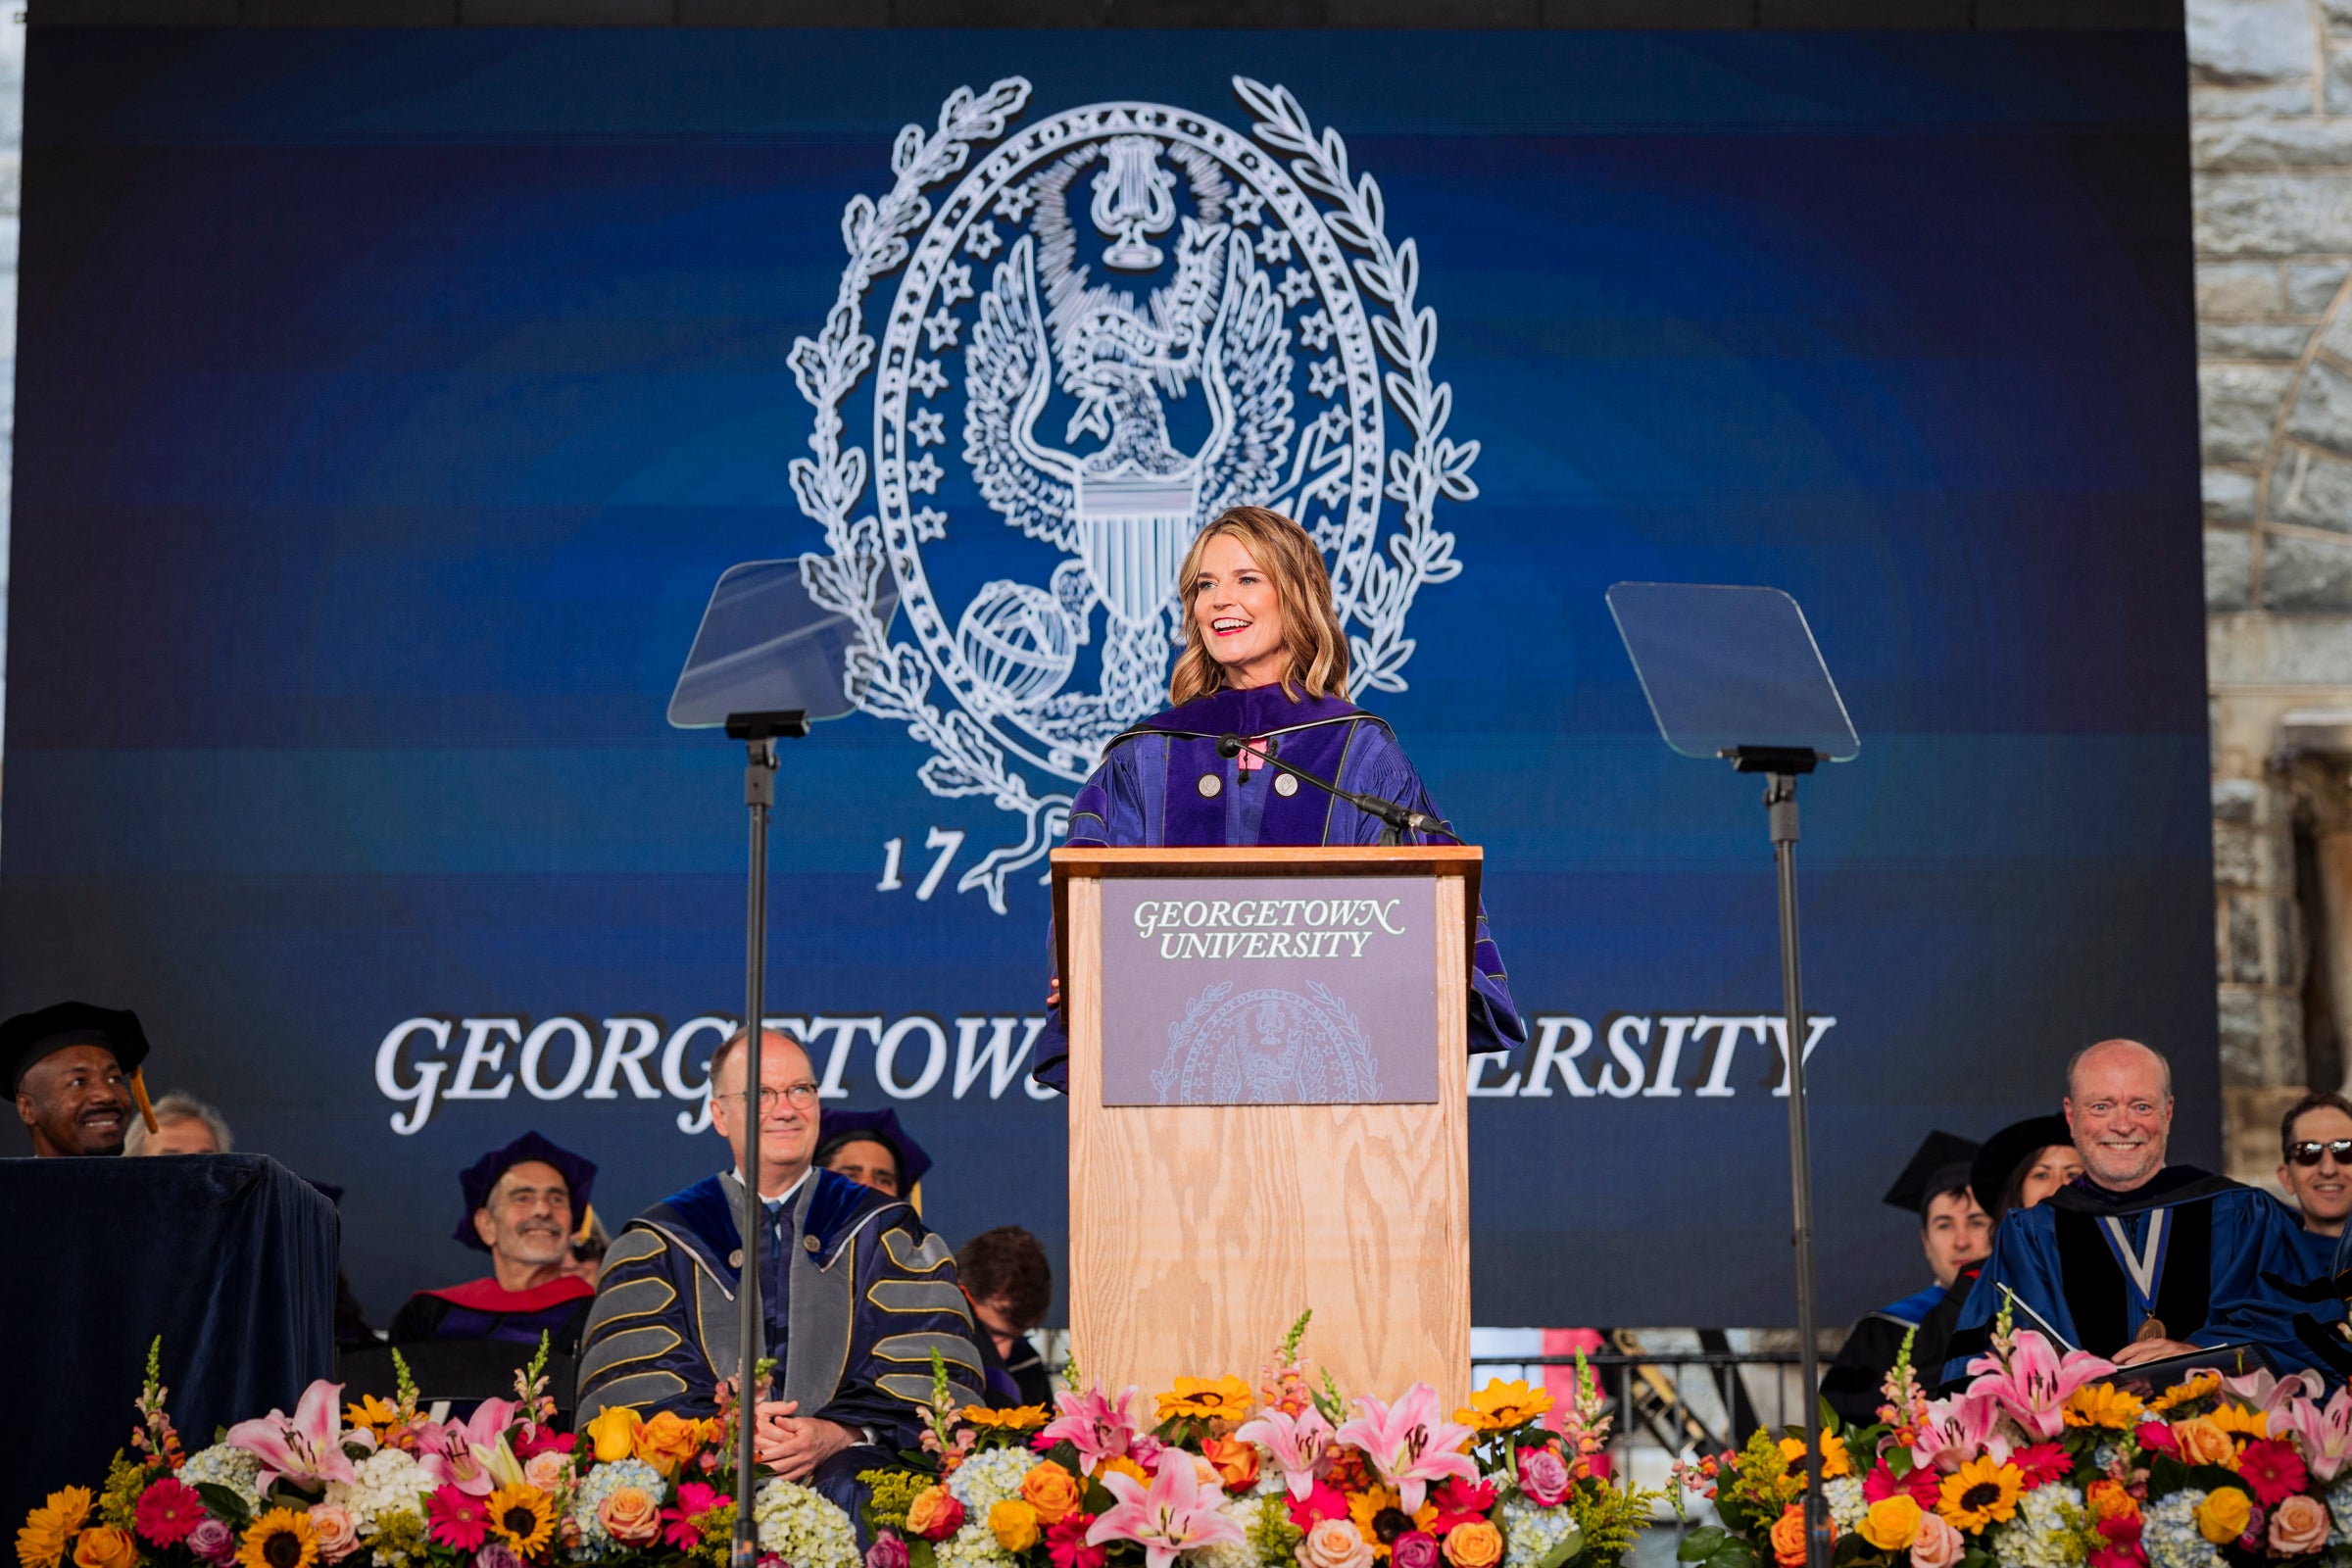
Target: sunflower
x=374 y=1413
x=1500 y=1406
x=1020 y=1418
x=1225 y=1398
x=1979 y=1494
x=2102 y=1405
x=279 y=1539
x=41 y=1543
x=1380 y=1521
x=520 y=1517
x=2238 y=1421
x=2198 y=1387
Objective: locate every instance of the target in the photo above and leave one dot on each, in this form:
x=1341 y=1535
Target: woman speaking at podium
x=1265 y=663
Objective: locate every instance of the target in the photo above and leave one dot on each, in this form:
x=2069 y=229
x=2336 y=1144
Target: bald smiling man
x=2135 y=1259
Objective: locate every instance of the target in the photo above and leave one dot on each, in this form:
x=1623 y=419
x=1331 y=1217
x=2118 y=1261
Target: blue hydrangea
x=2169 y=1530
x=1530 y=1533
x=602 y=1481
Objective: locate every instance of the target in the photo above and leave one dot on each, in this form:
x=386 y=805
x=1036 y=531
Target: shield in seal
x=1107 y=327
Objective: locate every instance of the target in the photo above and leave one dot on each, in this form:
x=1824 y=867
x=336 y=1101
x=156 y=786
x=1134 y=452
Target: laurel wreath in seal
x=892 y=680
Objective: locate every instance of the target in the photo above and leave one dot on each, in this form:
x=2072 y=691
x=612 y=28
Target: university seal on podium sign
x=1082 y=339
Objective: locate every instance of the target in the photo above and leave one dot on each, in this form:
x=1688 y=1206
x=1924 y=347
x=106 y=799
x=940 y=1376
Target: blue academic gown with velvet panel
x=1149 y=793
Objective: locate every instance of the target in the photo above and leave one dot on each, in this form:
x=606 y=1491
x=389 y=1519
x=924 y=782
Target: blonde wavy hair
x=1310 y=625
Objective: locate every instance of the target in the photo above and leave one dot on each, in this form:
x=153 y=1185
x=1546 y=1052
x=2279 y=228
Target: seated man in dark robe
x=1010 y=1283
x=520 y=1201
x=1954 y=1233
x=855 y=1295
x=2137 y=1261
x=75 y=1070
x=872 y=1150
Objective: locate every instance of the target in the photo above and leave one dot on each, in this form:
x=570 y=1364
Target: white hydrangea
x=223 y=1466
x=1242 y=1511
x=2168 y=1533
x=804 y=1528
x=1530 y=1533
x=988 y=1479
x=2339 y=1510
x=605 y=1480
x=1844 y=1494
x=387 y=1482
x=975 y=1546
x=2042 y=1535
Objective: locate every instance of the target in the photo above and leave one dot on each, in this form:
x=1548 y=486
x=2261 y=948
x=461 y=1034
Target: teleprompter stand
x=1733 y=673
x=766 y=663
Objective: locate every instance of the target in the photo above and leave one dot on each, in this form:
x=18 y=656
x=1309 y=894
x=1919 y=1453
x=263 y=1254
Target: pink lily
x=1954 y=1431
x=1176 y=1515
x=305 y=1450
x=2264 y=1390
x=2034 y=1385
x=1410 y=1443
x=1098 y=1427
x=2324 y=1433
x=1300 y=1446
x=473 y=1455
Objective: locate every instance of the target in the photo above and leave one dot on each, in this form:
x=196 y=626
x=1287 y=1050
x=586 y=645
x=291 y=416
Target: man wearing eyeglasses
x=2315 y=1164
x=855 y=1295
x=2138 y=1261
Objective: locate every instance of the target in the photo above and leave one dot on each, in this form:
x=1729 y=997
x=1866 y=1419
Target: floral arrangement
x=1225 y=1474
x=379 y=1484
x=2050 y=1461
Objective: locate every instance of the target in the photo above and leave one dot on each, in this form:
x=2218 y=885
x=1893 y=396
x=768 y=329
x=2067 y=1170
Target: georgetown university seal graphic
x=1267 y=1047
x=1117 y=323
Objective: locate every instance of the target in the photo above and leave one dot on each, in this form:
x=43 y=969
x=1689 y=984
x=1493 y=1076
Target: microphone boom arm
x=1400 y=820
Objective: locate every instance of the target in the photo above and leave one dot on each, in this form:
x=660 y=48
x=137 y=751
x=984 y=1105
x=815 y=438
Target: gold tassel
x=138 y=1092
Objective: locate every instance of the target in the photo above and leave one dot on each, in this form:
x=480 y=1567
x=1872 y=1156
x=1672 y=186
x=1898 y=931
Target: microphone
x=1400 y=819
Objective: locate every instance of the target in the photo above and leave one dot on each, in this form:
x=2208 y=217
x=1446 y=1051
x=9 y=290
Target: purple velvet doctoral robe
x=1151 y=792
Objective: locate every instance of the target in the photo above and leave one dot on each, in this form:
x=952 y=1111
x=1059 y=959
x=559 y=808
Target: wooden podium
x=1200 y=1232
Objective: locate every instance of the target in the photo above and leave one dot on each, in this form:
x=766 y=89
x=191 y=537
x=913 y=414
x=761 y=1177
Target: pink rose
x=1543 y=1477
x=212 y=1541
x=547 y=1470
x=1335 y=1544
x=1938 y=1544
x=1415 y=1549
x=2298 y=1526
x=631 y=1515
x=889 y=1550
x=338 y=1537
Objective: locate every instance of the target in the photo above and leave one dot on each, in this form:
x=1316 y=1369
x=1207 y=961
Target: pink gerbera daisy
x=457 y=1520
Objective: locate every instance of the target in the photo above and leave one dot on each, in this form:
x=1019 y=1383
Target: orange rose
x=1789 y=1537
x=1052 y=1492
x=2202 y=1441
x=1476 y=1544
x=2110 y=1499
x=935 y=1514
x=668 y=1441
x=1236 y=1462
x=1015 y=1525
x=631 y=1517
x=105 y=1546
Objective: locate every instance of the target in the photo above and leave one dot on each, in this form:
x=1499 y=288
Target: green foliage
x=224 y=1505
x=404 y=1386
x=894 y=1492
x=1272 y=1535
x=1712 y=1547
x=1291 y=1341
x=1330 y=1401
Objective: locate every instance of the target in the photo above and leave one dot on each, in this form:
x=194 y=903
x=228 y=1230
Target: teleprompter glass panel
x=766 y=646
x=1726 y=668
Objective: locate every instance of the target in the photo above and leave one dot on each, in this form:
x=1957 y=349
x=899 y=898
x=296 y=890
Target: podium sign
x=1231 y=992
x=1234 y=1159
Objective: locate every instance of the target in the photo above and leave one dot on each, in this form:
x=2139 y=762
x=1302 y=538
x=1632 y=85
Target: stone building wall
x=2270 y=140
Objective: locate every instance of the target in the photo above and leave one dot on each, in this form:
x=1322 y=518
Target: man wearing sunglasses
x=2315 y=1140
x=854 y=1291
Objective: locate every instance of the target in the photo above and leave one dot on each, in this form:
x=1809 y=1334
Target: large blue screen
x=390 y=401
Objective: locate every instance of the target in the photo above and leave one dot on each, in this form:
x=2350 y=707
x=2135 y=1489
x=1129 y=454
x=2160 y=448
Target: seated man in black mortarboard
x=872 y=1150
x=1954 y=1233
x=520 y=1201
x=75 y=1069
x=2138 y=1261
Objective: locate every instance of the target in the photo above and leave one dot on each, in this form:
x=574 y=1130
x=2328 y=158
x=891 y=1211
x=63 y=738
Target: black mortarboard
x=2009 y=1148
x=881 y=1127
x=1940 y=1165
x=30 y=1036
x=580 y=1175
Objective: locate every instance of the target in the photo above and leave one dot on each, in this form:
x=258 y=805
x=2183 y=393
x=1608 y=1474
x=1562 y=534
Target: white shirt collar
x=783 y=1197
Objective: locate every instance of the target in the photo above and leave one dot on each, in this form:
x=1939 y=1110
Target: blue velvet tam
x=30 y=1036
x=839 y=1127
x=580 y=1176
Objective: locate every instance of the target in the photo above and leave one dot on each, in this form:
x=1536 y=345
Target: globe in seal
x=1017 y=641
